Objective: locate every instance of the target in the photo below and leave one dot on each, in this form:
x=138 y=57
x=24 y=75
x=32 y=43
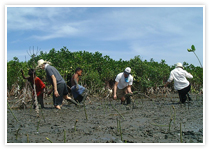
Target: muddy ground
x=145 y=121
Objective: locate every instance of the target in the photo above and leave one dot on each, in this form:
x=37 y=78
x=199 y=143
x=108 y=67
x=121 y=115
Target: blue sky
x=119 y=32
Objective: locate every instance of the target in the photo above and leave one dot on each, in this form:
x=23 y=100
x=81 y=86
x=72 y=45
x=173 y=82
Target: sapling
x=118 y=125
x=193 y=50
x=64 y=136
x=17 y=132
x=75 y=125
x=37 y=129
x=170 y=125
x=48 y=139
x=27 y=139
x=85 y=112
x=174 y=114
x=181 y=132
x=120 y=131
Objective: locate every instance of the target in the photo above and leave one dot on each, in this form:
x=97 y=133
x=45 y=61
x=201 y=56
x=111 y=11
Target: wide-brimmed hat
x=179 y=65
x=41 y=62
x=127 y=70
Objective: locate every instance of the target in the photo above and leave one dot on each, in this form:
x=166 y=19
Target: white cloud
x=157 y=32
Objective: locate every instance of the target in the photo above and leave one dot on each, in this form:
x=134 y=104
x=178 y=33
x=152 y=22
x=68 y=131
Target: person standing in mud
x=40 y=86
x=181 y=84
x=122 y=86
x=59 y=86
x=78 y=91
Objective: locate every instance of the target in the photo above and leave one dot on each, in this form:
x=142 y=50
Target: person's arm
x=169 y=80
x=23 y=75
x=129 y=89
x=55 y=86
x=115 y=90
x=76 y=81
x=167 y=83
x=188 y=75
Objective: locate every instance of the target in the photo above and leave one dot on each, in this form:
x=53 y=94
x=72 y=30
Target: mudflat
x=161 y=120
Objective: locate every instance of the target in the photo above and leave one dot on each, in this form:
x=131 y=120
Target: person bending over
x=181 y=84
x=59 y=86
x=123 y=83
x=78 y=91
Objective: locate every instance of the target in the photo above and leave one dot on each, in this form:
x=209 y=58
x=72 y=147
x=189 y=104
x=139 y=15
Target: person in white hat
x=59 y=85
x=181 y=84
x=123 y=83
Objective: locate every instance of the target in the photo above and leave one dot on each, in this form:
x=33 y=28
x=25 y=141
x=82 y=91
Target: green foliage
x=97 y=69
x=192 y=49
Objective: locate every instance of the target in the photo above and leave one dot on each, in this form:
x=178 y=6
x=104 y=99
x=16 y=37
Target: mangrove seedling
x=193 y=50
x=27 y=138
x=17 y=132
x=181 y=132
x=64 y=136
x=48 y=139
x=120 y=131
x=85 y=112
x=37 y=129
x=75 y=125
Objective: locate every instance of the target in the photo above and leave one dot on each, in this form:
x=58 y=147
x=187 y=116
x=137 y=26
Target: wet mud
x=161 y=120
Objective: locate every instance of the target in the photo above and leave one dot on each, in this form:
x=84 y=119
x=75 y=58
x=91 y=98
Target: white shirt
x=121 y=81
x=179 y=76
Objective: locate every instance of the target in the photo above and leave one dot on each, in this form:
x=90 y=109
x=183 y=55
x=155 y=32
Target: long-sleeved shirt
x=179 y=76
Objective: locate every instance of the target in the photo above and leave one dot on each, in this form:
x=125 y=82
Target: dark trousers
x=40 y=100
x=184 y=93
x=62 y=90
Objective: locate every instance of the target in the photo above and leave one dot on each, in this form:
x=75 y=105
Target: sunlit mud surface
x=144 y=121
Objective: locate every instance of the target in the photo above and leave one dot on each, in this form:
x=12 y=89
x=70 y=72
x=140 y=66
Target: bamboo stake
x=36 y=101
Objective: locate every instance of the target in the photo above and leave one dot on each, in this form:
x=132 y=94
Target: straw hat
x=179 y=65
x=41 y=62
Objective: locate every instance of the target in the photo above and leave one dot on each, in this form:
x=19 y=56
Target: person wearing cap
x=123 y=83
x=181 y=84
x=59 y=86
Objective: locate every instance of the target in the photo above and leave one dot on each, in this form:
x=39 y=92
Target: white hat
x=40 y=62
x=127 y=70
x=179 y=65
